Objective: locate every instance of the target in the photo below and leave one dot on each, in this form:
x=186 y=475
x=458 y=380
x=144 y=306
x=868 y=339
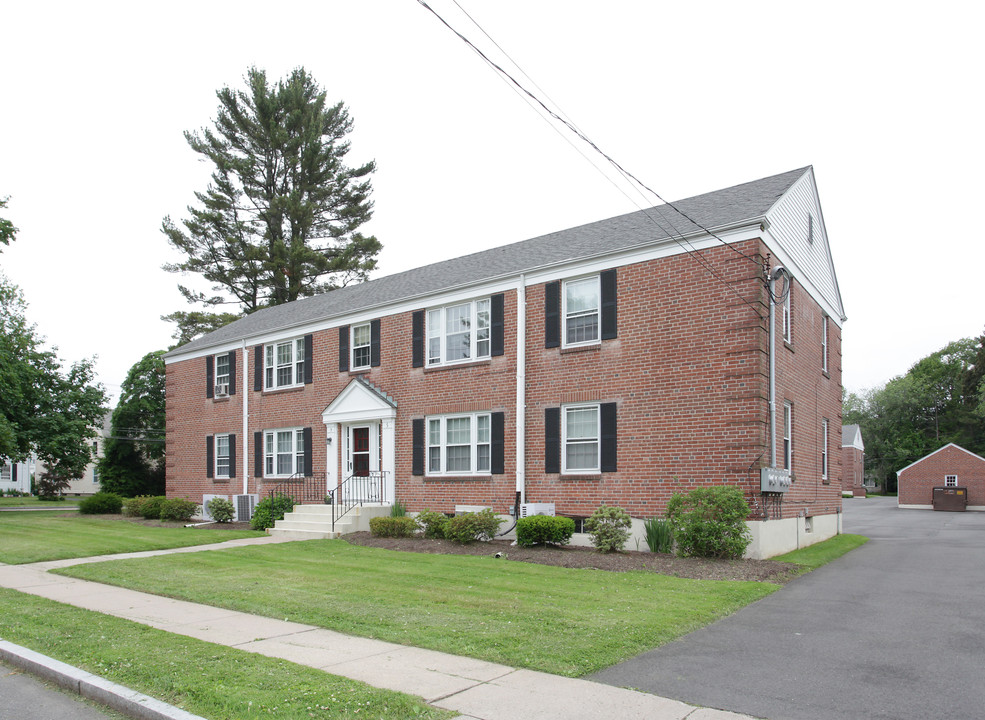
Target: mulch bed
x=584 y=557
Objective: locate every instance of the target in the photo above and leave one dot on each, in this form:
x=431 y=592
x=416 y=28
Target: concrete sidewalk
x=474 y=688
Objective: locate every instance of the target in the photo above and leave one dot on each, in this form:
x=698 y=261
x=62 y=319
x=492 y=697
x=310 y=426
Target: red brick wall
x=688 y=373
x=853 y=469
x=917 y=482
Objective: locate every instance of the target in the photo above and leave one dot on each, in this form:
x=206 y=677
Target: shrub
x=150 y=508
x=609 y=528
x=178 y=509
x=544 y=530
x=133 y=507
x=270 y=510
x=101 y=503
x=220 y=509
x=659 y=535
x=432 y=523
x=710 y=522
x=469 y=527
x=392 y=526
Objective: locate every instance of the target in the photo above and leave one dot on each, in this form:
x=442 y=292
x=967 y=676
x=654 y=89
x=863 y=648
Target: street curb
x=92 y=687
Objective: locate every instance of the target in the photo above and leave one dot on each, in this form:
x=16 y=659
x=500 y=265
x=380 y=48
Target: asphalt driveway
x=894 y=630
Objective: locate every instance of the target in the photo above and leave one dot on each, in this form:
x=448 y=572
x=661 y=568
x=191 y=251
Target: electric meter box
x=775 y=480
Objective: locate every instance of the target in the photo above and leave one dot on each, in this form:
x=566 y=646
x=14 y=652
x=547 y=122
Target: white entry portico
x=360 y=434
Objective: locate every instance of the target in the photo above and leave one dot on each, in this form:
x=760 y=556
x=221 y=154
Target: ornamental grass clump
x=609 y=528
x=710 y=522
x=544 y=530
x=659 y=535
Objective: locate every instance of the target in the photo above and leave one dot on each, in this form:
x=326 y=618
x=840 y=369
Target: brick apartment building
x=616 y=362
x=951 y=467
x=852 y=461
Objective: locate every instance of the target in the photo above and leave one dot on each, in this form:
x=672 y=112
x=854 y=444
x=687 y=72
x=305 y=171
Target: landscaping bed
x=585 y=557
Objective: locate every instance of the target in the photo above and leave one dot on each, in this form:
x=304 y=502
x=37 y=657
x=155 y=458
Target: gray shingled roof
x=721 y=208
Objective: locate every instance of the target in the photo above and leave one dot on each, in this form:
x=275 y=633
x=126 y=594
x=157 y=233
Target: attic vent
x=531 y=509
x=810 y=228
x=245 y=505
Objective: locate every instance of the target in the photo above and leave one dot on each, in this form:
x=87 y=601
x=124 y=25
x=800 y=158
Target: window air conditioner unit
x=244 y=506
x=531 y=509
x=222 y=390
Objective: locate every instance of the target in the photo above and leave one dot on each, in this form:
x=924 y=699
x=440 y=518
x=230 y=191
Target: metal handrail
x=356 y=490
x=299 y=487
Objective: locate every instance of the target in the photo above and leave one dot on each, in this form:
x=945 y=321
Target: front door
x=362 y=463
x=359 y=459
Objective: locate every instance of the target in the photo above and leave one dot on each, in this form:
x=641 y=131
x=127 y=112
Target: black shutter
x=496 y=345
x=417 y=340
x=306 y=433
x=258 y=454
x=498 y=449
x=552 y=314
x=309 y=346
x=209 y=456
x=417 y=461
x=552 y=440
x=258 y=368
x=344 y=348
x=13 y=472
x=209 y=377
x=608 y=283
x=232 y=372
x=232 y=455
x=374 y=343
x=607 y=412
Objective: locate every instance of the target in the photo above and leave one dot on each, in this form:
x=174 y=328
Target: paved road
x=894 y=630
x=24 y=697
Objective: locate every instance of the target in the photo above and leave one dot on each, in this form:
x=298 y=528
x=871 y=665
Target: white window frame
x=569 y=315
x=479 y=444
x=365 y=347
x=950 y=481
x=787 y=314
x=568 y=442
x=221 y=378
x=283 y=370
x=6 y=472
x=272 y=453
x=479 y=330
x=824 y=343
x=824 y=449
x=221 y=468
x=788 y=436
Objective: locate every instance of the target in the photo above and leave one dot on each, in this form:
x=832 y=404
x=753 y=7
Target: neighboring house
x=15 y=475
x=88 y=484
x=950 y=467
x=617 y=362
x=852 y=460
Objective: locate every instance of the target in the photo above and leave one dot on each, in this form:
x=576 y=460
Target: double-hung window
x=824 y=343
x=580 y=435
x=284 y=364
x=5 y=472
x=222 y=456
x=459 y=444
x=283 y=452
x=582 y=304
x=824 y=449
x=362 y=338
x=222 y=370
x=458 y=333
x=788 y=436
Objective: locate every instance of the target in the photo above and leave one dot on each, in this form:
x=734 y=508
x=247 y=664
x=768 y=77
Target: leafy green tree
x=281 y=217
x=44 y=409
x=8 y=232
x=133 y=456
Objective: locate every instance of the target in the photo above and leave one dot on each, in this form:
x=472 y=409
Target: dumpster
x=952 y=499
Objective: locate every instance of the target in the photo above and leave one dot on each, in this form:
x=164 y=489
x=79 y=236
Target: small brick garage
x=952 y=465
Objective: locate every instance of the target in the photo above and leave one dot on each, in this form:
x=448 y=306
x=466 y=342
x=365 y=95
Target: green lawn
x=68 y=502
x=27 y=537
x=559 y=620
x=209 y=680
x=822 y=553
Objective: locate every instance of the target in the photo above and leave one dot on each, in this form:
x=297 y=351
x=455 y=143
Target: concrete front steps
x=314 y=522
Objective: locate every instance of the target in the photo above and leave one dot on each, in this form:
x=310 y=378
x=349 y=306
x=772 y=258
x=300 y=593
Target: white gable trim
x=949 y=445
x=358 y=403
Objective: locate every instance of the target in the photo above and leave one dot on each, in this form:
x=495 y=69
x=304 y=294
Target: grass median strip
x=27 y=537
x=558 y=620
x=205 y=679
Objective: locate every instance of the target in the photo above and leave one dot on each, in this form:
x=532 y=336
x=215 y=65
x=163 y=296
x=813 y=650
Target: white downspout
x=772 y=287
x=521 y=388
x=245 y=392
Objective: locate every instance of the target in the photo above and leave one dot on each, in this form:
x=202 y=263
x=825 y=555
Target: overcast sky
x=883 y=99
